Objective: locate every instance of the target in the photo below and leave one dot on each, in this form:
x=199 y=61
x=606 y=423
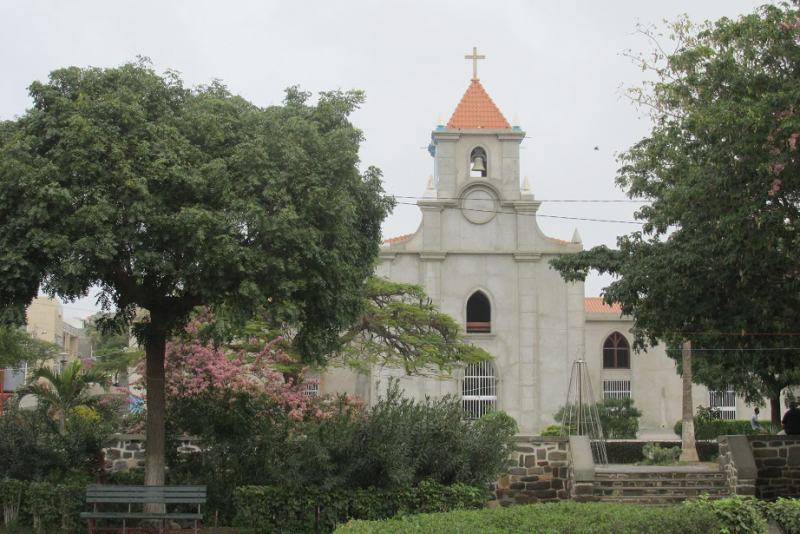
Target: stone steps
x=658 y=485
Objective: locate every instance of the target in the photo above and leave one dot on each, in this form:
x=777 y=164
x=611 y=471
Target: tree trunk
x=688 y=445
x=775 y=412
x=154 y=464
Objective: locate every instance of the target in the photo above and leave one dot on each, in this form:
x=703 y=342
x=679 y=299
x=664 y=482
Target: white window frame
x=479 y=390
x=616 y=389
x=724 y=402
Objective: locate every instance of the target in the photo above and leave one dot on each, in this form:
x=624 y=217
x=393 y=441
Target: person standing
x=791 y=420
x=754 y=420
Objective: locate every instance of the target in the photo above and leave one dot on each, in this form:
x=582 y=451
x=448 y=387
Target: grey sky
x=557 y=65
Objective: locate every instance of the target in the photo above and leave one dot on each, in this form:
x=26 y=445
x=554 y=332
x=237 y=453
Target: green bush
x=397 y=443
x=630 y=452
x=733 y=514
x=654 y=454
x=597 y=518
x=274 y=510
x=785 y=512
x=552 y=430
x=618 y=417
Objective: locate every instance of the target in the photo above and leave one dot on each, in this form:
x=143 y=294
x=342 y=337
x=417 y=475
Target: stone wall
x=736 y=461
x=777 y=459
x=539 y=471
x=125 y=452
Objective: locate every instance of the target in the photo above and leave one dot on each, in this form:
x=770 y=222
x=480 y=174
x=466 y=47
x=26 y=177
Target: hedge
x=597 y=518
x=265 y=509
x=712 y=428
x=630 y=452
x=732 y=515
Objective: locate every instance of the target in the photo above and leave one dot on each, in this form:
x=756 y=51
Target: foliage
x=654 y=454
x=168 y=198
x=63 y=391
x=45 y=506
x=401 y=327
x=717 y=259
x=17 y=346
x=10 y=498
x=111 y=349
x=598 y=518
x=734 y=514
x=618 y=417
x=785 y=512
x=32 y=448
x=552 y=430
x=630 y=452
x=708 y=425
x=274 y=510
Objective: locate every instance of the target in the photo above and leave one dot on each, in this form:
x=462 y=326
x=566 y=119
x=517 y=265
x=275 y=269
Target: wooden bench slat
x=137 y=515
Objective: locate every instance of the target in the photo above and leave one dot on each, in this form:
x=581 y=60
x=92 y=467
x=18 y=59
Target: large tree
x=168 y=198
x=717 y=262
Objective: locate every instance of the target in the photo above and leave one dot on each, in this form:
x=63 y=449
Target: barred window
x=479 y=389
x=479 y=314
x=724 y=402
x=616 y=389
x=312 y=384
x=616 y=352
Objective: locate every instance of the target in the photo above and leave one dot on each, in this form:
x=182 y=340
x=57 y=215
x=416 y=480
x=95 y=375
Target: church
x=482 y=258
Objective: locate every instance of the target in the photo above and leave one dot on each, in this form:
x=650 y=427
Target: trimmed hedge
x=693 y=517
x=597 y=518
x=712 y=428
x=630 y=452
x=265 y=509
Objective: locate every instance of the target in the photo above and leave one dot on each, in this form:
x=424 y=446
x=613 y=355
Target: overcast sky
x=557 y=65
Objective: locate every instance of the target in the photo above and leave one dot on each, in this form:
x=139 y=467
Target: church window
x=616 y=352
x=616 y=389
x=478 y=163
x=723 y=402
x=479 y=314
x=479 y=390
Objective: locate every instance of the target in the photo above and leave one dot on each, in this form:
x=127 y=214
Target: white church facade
x=482 y=258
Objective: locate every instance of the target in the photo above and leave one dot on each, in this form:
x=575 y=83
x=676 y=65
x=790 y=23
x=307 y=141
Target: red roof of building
x=398 y=239
x=596 y=305
x=476 y=110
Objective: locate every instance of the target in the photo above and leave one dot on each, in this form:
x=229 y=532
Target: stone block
x=541 y=454
x=529 y=479
x=765 y=453
x=503 y=482
x=537 y=486
x=113 y=454
x=546 y=495
x=557 y=456
x=530 y=461
x=518 y=471
x=493 y=504
x=772 y=472
x=794 y=456
x=774 y=462
x=557 y=484
x=524 y=449
x=546 y=476
x=583 y=489
x=517 y=486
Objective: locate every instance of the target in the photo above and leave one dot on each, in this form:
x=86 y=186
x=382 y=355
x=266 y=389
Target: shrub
x=654 y=454
x=630 y=452
x=710 y=429
x=733 y=514
x=785 y=512
x=552 y=430
x=618 y=417
x=274 y=510
x=598 y=518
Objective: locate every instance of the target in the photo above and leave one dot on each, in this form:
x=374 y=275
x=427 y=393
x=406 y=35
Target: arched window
x=479 y=314
x=478 y=163
x=479 y=390
x=616 y=352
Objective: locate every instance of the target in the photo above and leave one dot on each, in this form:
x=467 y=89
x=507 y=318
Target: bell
x=477 y=164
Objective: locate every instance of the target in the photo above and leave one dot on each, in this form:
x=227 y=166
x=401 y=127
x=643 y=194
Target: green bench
x=135 y=497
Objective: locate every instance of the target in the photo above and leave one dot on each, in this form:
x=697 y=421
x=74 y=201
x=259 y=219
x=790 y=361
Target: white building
x=481 y=256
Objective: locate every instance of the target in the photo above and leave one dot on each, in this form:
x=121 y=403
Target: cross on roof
x=474 y=57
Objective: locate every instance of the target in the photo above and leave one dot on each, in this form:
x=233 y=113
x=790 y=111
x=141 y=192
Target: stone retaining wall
x=125 y=452
x=538 y=471
x=777 y=459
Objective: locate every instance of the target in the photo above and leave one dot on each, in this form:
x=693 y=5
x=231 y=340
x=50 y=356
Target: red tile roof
x=596 y=305
x=398 y=239
x=476 y=110
x=559 y=241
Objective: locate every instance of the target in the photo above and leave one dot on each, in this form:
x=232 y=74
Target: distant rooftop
x=596 y=305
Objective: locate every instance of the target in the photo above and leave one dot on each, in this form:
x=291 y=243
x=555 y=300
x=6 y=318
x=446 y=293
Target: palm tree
x=62 y=391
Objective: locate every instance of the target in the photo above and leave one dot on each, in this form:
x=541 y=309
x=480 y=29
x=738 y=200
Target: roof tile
x=477 y=110
x=398 y=239
x=596 y=305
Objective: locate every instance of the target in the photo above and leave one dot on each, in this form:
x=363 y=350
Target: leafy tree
x=168 y=198
x=63 y=391
x=16 y=346
x=716 y=263
x=111 y=348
